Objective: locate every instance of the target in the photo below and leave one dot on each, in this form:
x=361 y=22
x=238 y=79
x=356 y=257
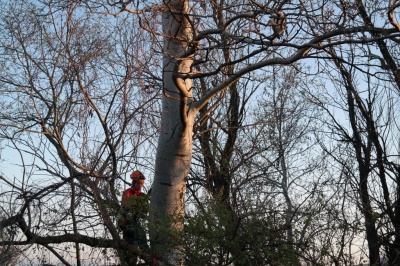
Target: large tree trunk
x=174 y=150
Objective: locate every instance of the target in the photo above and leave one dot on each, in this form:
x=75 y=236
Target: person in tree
x=135 y=207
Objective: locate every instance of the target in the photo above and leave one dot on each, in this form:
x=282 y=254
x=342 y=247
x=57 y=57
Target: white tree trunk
x=174 y=151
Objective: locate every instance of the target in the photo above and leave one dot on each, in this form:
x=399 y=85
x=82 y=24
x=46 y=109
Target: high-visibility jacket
x=128 y=194
x=135 y=205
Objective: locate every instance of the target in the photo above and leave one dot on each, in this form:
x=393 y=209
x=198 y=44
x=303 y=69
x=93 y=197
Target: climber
x=135 y=206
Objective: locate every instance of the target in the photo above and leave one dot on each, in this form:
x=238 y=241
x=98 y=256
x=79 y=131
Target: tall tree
x=174 y=150
x=261 y=51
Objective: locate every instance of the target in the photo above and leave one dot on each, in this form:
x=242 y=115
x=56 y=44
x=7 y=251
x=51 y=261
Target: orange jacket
x=134 y=205
x=129 y=193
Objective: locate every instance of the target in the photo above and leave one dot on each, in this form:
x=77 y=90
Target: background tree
x=369 y=138
x=78 y=115
x=281 y=192
x=9 y=253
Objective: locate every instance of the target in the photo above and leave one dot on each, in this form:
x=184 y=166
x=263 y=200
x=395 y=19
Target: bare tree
x=368 y=142
x=80 y=109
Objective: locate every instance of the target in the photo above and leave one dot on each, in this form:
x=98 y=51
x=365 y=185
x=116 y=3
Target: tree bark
x=174 y=151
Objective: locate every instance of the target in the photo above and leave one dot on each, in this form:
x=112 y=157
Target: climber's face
x=137 y=185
